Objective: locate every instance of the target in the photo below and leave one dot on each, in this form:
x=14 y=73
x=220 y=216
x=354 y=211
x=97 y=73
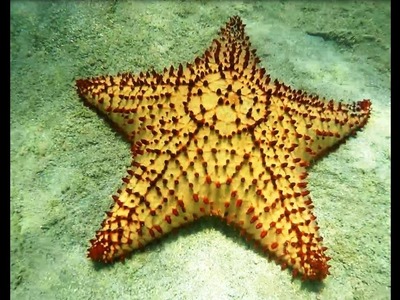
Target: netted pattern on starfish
x=218 y=137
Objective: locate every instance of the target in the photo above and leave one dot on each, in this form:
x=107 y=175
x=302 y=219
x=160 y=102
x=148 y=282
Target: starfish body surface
x=218 y=137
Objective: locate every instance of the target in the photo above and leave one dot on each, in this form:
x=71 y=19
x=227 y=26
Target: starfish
x=218 y=137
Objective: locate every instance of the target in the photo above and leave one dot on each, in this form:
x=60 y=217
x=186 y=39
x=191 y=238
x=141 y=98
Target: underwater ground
x=66 y=162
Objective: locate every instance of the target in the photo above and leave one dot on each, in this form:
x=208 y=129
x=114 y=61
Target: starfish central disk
x=218 y=137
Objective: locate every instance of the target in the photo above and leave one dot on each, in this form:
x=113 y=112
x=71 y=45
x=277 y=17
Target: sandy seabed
x=66 y=162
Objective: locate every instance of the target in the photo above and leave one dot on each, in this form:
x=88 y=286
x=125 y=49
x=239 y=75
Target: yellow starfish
x=218 y=137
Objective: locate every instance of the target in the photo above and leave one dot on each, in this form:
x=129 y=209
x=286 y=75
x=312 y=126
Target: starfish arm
x=232 y=51
x=277 y=208
x=261 y=189
x=139 y=106
x=313 y=126
x=152 y=201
